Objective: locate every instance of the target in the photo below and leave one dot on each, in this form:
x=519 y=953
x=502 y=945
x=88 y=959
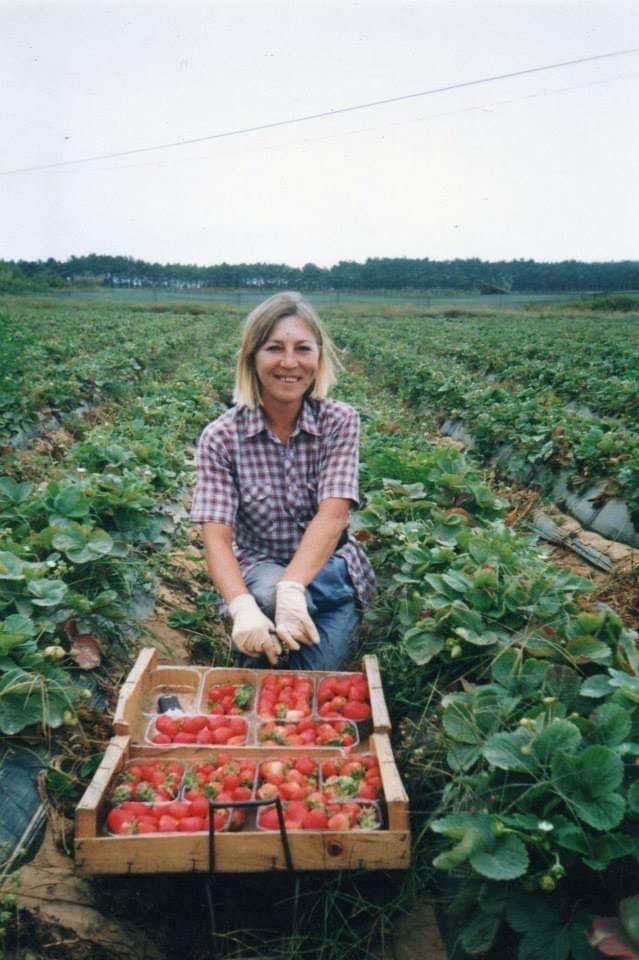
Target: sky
x=543 y=166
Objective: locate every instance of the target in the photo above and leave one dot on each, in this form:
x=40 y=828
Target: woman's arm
x=253 y=632
x=319 y=540
x=222 y=563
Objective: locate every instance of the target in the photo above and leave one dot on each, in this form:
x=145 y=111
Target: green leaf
x=506 y=860
x=71 y=503
x=563 y=683
x=587 y=783
x=559 y=735
x=544 y=936
x=470 y=830
x=458 y=582
x=484 y=639
x=479 y=933
x=597 y=686
x=14 y=492
x=506 y=667
x=10 y=566
x=13 y=630
x=421 y=647
x=633 y=797
x=460 y=723
x=82 y=546
x=613 y=724
x=590 y=622
x=60 y=783
x=47 y=593
x=588 y=649
x=504 y=750
x=461 y=756
x=608 y=847
x=572 y=837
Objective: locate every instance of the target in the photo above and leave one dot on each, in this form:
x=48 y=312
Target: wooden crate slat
x=379 y=710
x=128 y=706
x=394 y=792
x=243 y=853
x=86 y=817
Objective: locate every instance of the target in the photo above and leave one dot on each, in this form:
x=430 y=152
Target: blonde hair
x=259 y=326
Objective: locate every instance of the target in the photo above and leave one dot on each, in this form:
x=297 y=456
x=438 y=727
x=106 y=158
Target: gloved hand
x=292 y=620
x=253 y=633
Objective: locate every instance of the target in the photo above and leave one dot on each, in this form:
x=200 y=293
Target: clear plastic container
x=204 y=722
x=282 y=731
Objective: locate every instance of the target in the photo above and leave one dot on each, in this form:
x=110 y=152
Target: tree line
x=375 y=273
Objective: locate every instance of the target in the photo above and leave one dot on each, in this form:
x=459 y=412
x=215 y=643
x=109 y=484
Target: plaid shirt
x=269 y=491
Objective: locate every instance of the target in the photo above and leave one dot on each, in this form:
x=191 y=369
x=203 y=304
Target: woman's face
x=286 y=363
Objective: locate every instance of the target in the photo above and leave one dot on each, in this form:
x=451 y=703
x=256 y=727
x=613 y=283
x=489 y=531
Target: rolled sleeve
x=339 y=465
x=215 y=499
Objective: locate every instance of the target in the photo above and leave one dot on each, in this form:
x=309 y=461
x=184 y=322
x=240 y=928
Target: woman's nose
x=289 y=359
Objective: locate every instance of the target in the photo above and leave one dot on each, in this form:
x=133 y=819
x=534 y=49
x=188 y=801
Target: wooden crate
x=250 y=849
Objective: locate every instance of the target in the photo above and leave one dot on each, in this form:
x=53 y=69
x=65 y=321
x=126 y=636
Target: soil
x=58 y=917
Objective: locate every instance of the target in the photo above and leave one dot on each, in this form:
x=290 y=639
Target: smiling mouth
x=288 y=379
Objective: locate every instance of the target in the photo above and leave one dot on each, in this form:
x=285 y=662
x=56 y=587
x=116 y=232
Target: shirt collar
x=253 y=422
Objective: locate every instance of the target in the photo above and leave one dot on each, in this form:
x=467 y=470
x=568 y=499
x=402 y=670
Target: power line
x=323 y=114
x=477 y=108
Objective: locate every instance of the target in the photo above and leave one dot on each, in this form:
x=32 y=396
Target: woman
x=277 y=475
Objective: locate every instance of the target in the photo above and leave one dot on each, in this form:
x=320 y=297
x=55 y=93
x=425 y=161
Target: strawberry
x=268 y=791
x=199 y=807
x=356 y=710
x=119 y=821
x=179 y=809
x=306 y=766
x=242 y=793
x=191 y=824
x=167 y=824
x=268 y=819
x=147 y=826
x=167 y=725
x=339 y=821
x=315 y=819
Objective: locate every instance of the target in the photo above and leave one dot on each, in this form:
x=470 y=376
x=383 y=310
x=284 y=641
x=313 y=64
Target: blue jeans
x=332 y=603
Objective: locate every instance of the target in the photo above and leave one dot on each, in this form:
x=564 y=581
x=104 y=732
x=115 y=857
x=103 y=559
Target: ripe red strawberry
x=148 y=825
x=191 y=824
x=315 y=819
x=268 y=819
x=167 y=725
x=356 y=710
x=339 y=821
x=167 y=824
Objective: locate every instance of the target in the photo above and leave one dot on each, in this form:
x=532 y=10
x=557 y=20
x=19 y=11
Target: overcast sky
x=544 y=166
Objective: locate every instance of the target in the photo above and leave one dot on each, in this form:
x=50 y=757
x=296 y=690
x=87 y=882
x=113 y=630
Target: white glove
x=292 y=620
x=253 y=633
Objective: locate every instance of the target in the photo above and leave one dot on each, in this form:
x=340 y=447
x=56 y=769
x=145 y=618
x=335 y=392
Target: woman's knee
x=261 y=581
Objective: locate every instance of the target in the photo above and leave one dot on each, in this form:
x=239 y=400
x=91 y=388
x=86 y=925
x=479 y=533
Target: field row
x=61 y=359
x=546 y=399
